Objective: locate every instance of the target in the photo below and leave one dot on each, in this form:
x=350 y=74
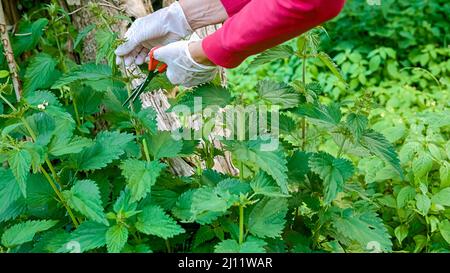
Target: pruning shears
x=154 y=70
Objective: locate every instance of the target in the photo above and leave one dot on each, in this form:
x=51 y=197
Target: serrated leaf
x=107 y=147
x=267 y=217
x=327 y=116
x=153 y=220
x=252 y=245
x=20 y=164
x=74 y=146
x=207 y=95
x=273 y=54
x=9 y=189
x=140 y=176
x=41 y=73
x=378 y=145
x=116 y=238
x=264 y=184
x=182 y=208
x=88 y=235
x=105 y=40
x=207 y=205
x=164 y=145
x=24 y=232
x=43 y=126
x=82 y=34
x=357 y=124
x=272 y=162
x=333 y=171
x=99 y=77
x=332 y=66
x=42 y=96
x=147 y=117
x=24 y=43
x=365 y=227
x=273 y=93
x=84 y=197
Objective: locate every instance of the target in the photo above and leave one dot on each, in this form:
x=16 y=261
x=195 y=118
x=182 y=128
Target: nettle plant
x=83 y=173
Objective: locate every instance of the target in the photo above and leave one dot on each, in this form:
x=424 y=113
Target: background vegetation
x=364 y=163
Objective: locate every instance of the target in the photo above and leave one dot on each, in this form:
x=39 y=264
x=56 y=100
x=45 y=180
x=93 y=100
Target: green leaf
x=116 y=238
x=405 y=195
x=357 y=124
x=444 y=228
x=378 y=145
x=327 y=116
x=207 y=205
x=82 y=34
x=263 y=184
x=374 y=63
x=422 y=164
x=107 y=147
x=182 y=208
x=232 y=186
x=273 y=93
x=273 y=54
x=84 y=197
x=74 y=146
x=140 y=176
x=298 y=165
x=24 y=43
x=105 y=41
x=88 y=235
x=147 y=117
x=208 y=95
x=20 y=164
x=99 y=77
x=272 y=162
x=423 y=204
x=252 y=245
x=442 y=197
x=43 y=126
x=332 y=66
x=41 y=73
x=9 y=189
x=333 y=171
x=153 y=220
x=363 y=226
x=267 y=217
x=164 y=145
x=39 y=97
x=401 y=232
x=25 y=232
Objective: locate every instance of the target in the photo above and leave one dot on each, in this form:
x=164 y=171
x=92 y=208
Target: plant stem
x=61 y=198
x=75 y=109
x=304 y=86
x=147 y=155
x=168 y=246
x=8 y=103
x=27 y=126
x=52 y=170
x=241 y=224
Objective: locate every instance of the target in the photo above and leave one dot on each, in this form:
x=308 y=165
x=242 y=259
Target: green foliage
x=361 y=163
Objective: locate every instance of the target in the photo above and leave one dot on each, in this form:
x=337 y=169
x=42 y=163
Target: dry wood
x=9 y=54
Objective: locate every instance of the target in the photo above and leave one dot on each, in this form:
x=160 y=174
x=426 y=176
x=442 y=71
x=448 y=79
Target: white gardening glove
x=182 y=69
x=162 y=27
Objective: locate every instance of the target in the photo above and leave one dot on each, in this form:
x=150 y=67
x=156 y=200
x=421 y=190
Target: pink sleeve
x=234 y=6
x=262 y=24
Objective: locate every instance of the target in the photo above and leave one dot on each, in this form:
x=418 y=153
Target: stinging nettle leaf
x=267 y=217
x=41 y=73
x=116 y=238
x=84 y=197
x=140 y=176
x=333 y=171
x=274 y=93
x=153 y=220
x=25 y=232
x=20 y=164
x=273 y=54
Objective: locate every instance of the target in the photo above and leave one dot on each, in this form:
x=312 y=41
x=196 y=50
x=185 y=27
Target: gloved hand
x=182 y=69
x=159 y=28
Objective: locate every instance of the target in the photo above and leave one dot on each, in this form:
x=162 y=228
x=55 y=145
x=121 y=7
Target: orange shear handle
x=153 y=63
